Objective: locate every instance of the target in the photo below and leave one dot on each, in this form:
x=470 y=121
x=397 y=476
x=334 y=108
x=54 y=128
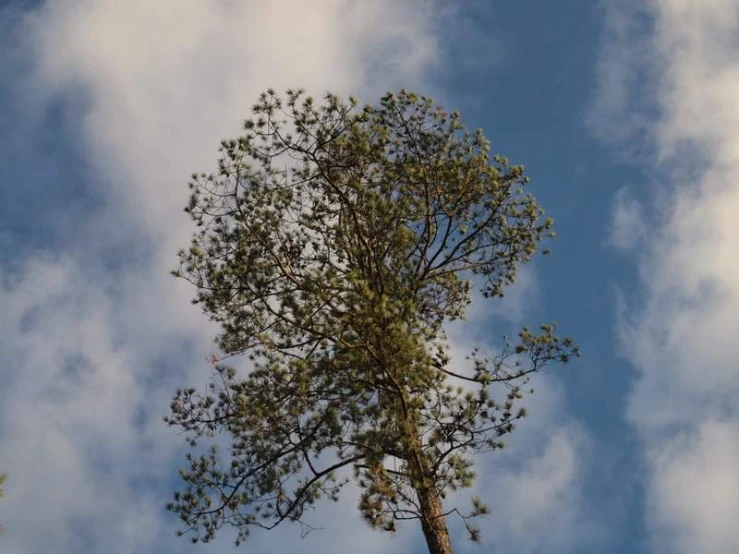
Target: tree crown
x=334 y=243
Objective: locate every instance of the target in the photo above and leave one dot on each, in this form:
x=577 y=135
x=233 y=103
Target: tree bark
x=433 y=522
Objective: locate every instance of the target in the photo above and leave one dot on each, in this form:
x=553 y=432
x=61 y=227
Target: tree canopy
x=332 y=246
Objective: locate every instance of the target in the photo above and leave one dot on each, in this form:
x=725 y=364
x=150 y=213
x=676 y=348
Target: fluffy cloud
x=535 y=487
x=681 y=333
x=696 y=479
x=97 y=335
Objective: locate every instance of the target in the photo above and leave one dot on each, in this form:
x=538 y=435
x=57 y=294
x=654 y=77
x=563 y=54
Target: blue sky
x=626 y=116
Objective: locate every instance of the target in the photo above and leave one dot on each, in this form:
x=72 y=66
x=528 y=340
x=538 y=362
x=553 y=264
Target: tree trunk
x=433 y=522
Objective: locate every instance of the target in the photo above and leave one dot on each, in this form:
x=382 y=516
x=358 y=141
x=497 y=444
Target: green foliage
x=333 y=245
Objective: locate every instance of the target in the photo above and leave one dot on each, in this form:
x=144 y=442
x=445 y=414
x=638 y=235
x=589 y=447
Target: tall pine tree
x=333 y=245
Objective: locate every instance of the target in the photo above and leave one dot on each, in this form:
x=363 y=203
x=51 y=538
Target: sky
x=626 y=116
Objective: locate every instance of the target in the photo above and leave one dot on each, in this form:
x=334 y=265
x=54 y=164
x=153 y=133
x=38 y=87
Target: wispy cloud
x=628 y=226
x=681 y=333
x=620 y=108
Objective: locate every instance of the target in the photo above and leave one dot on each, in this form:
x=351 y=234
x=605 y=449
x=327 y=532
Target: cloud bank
x=681 y=332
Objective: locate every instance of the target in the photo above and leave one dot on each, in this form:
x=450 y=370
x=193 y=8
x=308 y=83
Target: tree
x=333 y=244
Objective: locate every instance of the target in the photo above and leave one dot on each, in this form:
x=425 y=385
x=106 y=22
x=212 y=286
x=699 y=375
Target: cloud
x=619 y=112
x=628 y=227
x=96 y=334
x=536 y=487
x=71 y=398
x=680 y=332
x=696 y=478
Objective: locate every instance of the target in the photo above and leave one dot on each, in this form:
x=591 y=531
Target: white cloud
x=696 y=477
x=536 y=486
x=681 y=334
x=539 y=505
x=618 y=111
x=628 y=226
x=97 y=336
x=71 y=392
x=520 y=297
